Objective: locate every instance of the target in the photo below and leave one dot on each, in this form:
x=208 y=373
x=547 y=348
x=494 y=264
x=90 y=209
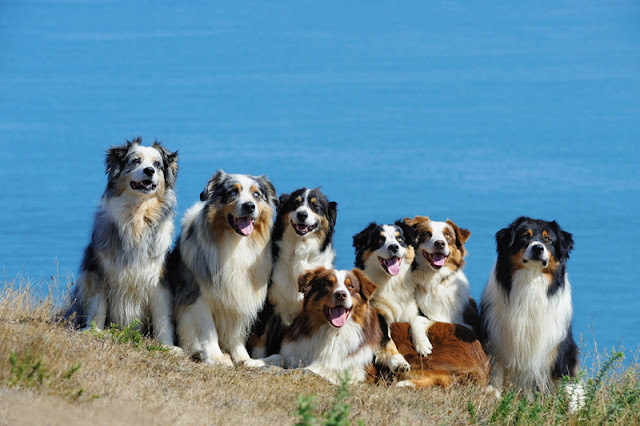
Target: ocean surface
x=446 y=110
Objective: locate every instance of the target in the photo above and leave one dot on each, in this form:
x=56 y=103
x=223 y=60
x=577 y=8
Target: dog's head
x=439 y=244
x=306 y=212
x=140 y=170
x=384 y=248
x=534 y=244
x=240 y=202
x=335 y=297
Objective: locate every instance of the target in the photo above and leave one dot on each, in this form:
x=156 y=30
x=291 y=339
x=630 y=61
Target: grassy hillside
x=51 y=374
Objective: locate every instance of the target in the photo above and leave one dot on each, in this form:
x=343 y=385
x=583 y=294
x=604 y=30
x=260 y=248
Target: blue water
x=448 y=110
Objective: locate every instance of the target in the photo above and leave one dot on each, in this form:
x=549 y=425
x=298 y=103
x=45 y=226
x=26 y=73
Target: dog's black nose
x=537 y=249
x=302 y=216
x=439 y=244
x=340 y=295
x=393 y=248
x=248 y=207
x=149 y=171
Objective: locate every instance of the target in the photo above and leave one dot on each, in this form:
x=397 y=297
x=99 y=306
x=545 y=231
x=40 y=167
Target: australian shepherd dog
x=385 y=254
x=336 y=333
x=302 y=240
x=220 y=267
x=526 y=308
x=121 y=273
x=442 y=289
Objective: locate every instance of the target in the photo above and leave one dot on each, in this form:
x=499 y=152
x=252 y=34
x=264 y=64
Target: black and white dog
x=526 y=308
x=220 y=267
x=121 y=273
x=302 y=241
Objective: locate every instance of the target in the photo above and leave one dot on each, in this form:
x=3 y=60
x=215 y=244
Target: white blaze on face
x=146 y=173
x=249 y=194
x=536 y=254
x=304 y=208
x=436 y=249
x=391 y=253
x=342 y=302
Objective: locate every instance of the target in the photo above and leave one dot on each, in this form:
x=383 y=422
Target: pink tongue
x=393 y=265
x=438 y=259
x=244 y=225
x=338 y=316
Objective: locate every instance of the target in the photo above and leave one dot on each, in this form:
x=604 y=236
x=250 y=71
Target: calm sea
x=446 y=112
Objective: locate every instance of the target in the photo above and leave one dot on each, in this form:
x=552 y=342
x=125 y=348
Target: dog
x=121 y=275
x=385 y=254
x=337 y=330
x=457 y=357
x=526 y=308
x=302 y=241
x=442 y=289
x=220 y=267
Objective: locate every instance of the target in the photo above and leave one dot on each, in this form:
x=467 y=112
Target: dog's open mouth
x=303 y=229
x=337 y=316
x=436 y=260
x=145 y=185
x=243 y=225
x=391 y=265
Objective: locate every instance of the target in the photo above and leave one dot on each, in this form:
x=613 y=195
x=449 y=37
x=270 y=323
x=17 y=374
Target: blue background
x=476 y=112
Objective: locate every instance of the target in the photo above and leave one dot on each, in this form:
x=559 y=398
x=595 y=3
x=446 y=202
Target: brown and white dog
x=337 y=330
x=442 y=289
x=220 y=267
x=385 y=254
x=121 y=276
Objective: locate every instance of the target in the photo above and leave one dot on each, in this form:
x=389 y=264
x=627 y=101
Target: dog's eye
x=135 y=161
x=547 y=238
x=399 y=239
x=157 y=164
x=256 y=194
x=233 y=193
x=350 y=286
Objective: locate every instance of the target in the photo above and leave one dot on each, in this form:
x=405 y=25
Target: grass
x=51 y=374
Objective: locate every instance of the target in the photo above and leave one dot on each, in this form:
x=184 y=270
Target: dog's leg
x=160 y=306
x=275 y=360
x=197 y=334
x=497 y=378
x=419 y=327
x=387 y=353
x=96 y=311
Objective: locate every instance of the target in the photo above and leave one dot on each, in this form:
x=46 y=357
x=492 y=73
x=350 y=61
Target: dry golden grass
x=119 y=383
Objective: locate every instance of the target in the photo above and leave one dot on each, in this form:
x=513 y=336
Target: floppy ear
x=115 y=159
x=415 y=221
x=462 y=234
x=283 y=199
x=305 y=281
x=410 y=234
x=360 y=242
x=367 y=287
x=564 y=241
x=271 y=196
x=507 y=236
x=170 y=161
x=213 y=181
x=332 y=212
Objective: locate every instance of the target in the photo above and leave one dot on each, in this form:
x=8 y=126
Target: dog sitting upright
x=220 y=266
x=302 y=241
x=442 y=289
x=526 y=309
x=385 y=254
x=121 y=273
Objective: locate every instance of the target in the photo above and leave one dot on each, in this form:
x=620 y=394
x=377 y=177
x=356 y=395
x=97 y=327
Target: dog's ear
x=207 y=192
x=415 y=221
x=410 y=234
x=507 y=236
x=361 y=241
x=170 y=162
x=283 y=199
x=305 y=281
x=462 y=234
x=268 y=191
x=332 y=213
x=564 y=241
x=116 y=159
x=367 y=287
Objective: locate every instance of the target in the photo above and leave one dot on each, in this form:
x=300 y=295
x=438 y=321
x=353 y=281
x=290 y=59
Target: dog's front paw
x=424 y=348
x=397 y=364
x=222 y=360
x=405 y=384
x=254 y=363
x=491 y=390
x=174 y=350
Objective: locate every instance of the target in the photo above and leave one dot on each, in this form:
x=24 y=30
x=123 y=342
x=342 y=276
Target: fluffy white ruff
x=442 y=295
x=525 y=327
x=132 y=288
x=394 y=299
x=297 y=255
x=230 y=298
